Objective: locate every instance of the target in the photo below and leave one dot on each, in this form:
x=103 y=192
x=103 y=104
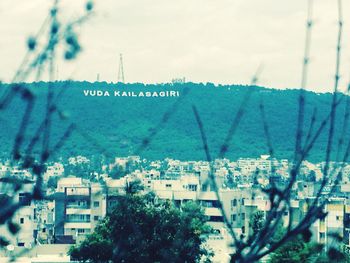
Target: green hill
x=118 y=125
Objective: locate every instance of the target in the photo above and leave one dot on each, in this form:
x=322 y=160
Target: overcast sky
x=220 y=41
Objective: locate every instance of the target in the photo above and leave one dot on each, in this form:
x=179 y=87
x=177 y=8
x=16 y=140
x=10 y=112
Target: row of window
x=81 y=218
x=82 y=204
x=234 y=202
x=210 y=203
x=78 y=218
x=234 y=217
x=82 y=230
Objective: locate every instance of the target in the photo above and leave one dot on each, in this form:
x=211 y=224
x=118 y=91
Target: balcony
x=77 y=211
x=78 y=204
x=212 y=211
x=75 y=225
x=78 y=218
x=77 y=191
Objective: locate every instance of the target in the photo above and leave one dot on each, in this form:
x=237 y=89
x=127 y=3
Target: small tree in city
x=141 y=231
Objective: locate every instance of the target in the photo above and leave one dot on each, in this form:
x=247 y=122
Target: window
x=20 y=244
x=96 y=218
x=216 y=203
x=168 y=185
x=24 y=199
x=216 y=219
x=234 y=203
x=243 y=216
x=233 y=218
x=81 y=230
x=44 y=230
x=192 y=187
x=21 y=220
x=78 y=218
x=82 y=203
x=96 y=204
x=77 y=204
x=207 y=203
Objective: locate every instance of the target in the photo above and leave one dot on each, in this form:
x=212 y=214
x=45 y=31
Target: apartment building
x=79 y=205
x=44 y=215
x=190 y=188
x=331 y=228
x=24 y=218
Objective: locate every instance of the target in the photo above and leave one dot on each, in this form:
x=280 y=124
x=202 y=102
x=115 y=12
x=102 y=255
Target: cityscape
x=81 y=192
x=174 y=131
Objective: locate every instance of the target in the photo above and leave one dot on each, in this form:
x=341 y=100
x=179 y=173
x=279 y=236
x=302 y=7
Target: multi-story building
x=346 y=238
x=248 y=166
x=190 y=188
x=44 y=215
x=79 y=205
x=331 y=228
x=325 y=231
x=24 y=218
x=55 y=169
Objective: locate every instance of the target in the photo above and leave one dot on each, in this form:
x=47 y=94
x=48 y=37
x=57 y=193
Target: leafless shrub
x=255 y=247
x=39 y=58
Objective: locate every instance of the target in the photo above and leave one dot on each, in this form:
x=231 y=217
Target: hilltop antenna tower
x=121 y=69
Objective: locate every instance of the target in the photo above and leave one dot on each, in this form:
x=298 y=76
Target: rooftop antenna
x=121 y=69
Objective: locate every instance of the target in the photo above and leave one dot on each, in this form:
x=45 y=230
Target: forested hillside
x=119 y=124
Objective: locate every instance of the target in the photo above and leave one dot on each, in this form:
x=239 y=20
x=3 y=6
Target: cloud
x=203 y=40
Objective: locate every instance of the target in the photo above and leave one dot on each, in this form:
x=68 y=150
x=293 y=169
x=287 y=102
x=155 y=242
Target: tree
x=258 y=221
x=96 y=247
x=300 y=250
x=134 y=187
x=297 y=250
x=141 y=231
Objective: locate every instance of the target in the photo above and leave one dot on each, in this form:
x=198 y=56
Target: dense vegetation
x=117 y=125
x=139 y=230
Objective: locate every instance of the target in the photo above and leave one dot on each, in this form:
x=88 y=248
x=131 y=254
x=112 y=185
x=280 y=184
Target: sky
x=218 y=41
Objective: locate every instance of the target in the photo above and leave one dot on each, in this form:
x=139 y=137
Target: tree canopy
x=119 y=125
x=141 y=231
x=300 y=250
